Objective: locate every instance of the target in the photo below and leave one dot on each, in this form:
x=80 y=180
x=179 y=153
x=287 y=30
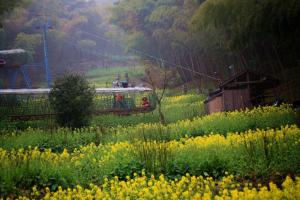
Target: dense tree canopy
x=208 y=36
x=76 y=36
x=7 y=5
x=198 y=38
x=254 y=28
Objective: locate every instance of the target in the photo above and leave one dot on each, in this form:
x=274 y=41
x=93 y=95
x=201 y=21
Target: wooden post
x=223 y=99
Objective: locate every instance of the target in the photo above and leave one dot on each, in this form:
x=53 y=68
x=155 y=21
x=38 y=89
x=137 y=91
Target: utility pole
x=46 y=26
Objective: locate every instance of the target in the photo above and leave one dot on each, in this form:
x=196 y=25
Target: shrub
x=72 y=99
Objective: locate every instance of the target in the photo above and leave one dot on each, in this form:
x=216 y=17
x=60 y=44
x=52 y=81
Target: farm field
x=149 y=99
x=237 y=155
x=171 y=106
x=222 y=155
x=103 y=77
x=175 y=108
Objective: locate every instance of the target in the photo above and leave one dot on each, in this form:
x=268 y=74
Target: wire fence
x=29 y=107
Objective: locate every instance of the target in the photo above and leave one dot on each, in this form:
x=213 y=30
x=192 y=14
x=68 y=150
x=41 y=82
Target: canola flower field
x=222 y=123
x=250 y=154
x=263 y=153
x=187 y=187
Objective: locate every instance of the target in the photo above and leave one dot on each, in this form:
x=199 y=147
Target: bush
x=72 y=100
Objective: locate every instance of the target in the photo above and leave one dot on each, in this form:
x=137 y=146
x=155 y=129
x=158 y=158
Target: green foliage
x=221 y=123
x=72 y=99
x=29 y=42
x=16 y=105
x=103 y=76
x=243 y=22
x=256 y=154
x=87 y=44
x=188 y=107
x=8 y=5
x=67 y=40
x=2 y=38
x=175 y=108
x=208 y=36
x=163 y=16
x=90 y=154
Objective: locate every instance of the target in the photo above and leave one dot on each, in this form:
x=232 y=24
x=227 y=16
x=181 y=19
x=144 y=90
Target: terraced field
x=251 y=154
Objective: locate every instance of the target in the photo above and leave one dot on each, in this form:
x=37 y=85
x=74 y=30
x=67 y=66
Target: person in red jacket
x=145 y=102
x=119 y=101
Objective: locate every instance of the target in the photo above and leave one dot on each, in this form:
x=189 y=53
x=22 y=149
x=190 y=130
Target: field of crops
x=103 y=77
x=175 y=108
x=250 y=154
x=187 y=187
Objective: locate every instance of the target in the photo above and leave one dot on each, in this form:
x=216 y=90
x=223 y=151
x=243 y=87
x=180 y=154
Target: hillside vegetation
x=159 y=143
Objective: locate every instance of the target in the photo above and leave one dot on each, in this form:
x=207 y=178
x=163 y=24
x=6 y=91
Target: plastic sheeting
x=98 y=90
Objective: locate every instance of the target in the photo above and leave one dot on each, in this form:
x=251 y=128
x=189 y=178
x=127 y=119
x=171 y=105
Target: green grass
x=116 y=149
x=121 y=145
x=255 y=154
x=103 y=77
x=222 y=123
x=174 y=108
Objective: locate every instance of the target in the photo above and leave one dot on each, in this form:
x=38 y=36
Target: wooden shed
x=245 y=89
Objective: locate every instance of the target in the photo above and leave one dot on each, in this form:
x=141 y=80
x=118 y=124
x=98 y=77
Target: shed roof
x=257 y=78
x=213 y=95
x=257 y=81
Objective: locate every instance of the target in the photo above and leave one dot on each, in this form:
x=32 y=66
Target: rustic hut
x=245 y=89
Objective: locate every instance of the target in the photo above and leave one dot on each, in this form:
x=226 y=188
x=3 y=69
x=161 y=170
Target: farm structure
x=245 y=89
x=13 y=63
x=33 y=104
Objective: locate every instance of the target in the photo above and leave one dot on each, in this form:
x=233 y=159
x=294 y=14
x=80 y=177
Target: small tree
x=151 y=74
x=72 y=99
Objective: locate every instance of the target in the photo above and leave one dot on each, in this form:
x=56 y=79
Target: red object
x=15 y=65
x=145 y=102
x=119 y=97
x=2 y=62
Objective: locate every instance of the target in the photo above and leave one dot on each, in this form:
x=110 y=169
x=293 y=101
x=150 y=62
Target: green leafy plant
x=72 y=99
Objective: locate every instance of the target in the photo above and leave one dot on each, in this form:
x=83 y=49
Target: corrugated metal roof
x=122 y=90
x=254 y=76
x=98 y=90
x=12 y=51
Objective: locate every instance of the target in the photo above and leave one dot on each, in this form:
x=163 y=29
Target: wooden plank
x=215 y=105
x=13 y=118
x=125 y=111
x=236 y=99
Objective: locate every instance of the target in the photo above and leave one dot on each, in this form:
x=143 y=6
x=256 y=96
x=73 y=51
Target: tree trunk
x=196 y=84
x=161 y=115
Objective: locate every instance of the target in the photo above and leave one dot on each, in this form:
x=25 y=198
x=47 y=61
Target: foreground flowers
x=188 y=187
x=259 y=152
